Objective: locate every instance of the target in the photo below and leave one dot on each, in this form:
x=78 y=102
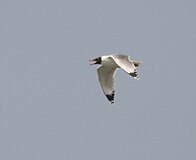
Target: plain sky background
x=51 y=104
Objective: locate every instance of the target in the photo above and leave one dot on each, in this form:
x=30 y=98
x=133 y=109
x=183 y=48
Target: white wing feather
x=124 y=63
x=106 y=79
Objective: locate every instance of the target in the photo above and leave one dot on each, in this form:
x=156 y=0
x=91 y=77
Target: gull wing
x=106 y=80
x=128 y=66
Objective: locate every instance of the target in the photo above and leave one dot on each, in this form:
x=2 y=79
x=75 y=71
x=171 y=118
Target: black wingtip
x=110 y=97
x=134 y=75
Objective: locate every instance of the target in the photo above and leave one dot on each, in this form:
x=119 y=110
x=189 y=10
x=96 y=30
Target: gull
x=109 y=65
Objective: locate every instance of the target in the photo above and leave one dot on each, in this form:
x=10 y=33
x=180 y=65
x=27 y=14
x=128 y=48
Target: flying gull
x=109 y=65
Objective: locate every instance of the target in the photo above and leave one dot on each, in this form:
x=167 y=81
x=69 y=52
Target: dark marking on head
x=94 y=61
x=110 y=97
x=97 y=60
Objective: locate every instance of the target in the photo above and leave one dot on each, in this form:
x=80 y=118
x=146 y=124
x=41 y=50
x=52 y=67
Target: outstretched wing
x=127 y=65
x=106 y=79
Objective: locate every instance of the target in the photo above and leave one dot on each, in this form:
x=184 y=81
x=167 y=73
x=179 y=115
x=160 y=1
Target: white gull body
x=109 y=65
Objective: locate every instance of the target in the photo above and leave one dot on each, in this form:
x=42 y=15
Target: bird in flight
x=109 y=65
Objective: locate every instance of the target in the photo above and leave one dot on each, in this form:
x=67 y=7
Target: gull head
x=95 y=61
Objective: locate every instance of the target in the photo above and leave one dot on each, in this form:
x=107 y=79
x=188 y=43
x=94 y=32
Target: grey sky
x=51 y=104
